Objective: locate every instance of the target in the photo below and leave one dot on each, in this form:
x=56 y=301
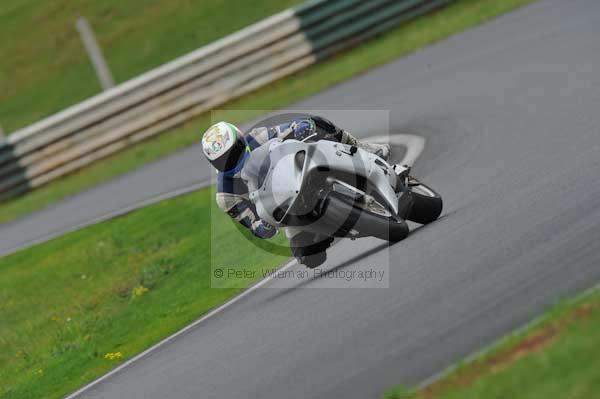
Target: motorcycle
x=336 y=190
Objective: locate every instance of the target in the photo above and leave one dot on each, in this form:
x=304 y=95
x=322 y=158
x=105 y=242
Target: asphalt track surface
x=510 y=112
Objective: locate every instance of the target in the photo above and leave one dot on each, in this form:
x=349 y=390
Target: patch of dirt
x=539 y=338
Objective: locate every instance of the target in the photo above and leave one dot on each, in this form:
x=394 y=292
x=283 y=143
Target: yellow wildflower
x=139 y=290
x=113 y=355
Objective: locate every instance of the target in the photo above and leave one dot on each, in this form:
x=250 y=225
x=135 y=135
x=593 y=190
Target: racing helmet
x=225 y=147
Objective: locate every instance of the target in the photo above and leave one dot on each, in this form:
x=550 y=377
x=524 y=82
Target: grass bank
x=405 y=39
x=77 y=306
x=557 y=357
x=44 y=64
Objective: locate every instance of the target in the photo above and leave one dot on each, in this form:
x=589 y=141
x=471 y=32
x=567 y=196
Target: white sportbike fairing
x=335 y=190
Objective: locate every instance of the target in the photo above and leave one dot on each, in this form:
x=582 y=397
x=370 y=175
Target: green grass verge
x=77 y=306
x=44 y=65
x=405 y=39
x=557 y=357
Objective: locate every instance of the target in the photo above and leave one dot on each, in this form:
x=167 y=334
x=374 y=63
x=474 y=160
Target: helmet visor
x=230 y=159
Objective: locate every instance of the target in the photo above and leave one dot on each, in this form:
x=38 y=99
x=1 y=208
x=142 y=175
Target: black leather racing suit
x=232 y=193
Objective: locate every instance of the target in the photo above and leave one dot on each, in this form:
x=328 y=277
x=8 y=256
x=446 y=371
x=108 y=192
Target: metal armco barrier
x=190 y=85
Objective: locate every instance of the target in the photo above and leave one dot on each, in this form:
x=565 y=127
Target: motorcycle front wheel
x=426 y=205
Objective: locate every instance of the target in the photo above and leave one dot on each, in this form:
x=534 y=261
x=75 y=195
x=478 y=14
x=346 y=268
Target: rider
x=226 y=147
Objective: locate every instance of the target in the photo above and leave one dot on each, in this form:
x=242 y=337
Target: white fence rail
x=195 y=83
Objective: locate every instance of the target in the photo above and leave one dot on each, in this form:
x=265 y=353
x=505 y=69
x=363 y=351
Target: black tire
x=339 y=208
x=427 y=205
x=391 y=230
x=310 y=249
x=314 y=260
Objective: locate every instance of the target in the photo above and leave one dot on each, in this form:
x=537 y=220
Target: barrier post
x=2 y=136
x=95 y=53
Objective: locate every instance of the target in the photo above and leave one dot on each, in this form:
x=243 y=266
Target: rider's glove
x=263 y=229
x=303 y=129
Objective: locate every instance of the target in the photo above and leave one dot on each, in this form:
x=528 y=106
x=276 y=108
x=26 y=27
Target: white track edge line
x=185 y=329
x=414 y=145
x=109 y=215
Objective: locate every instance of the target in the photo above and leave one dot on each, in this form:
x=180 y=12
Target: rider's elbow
x=264 y=230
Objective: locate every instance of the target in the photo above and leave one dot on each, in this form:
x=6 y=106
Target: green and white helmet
x=225 y=147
